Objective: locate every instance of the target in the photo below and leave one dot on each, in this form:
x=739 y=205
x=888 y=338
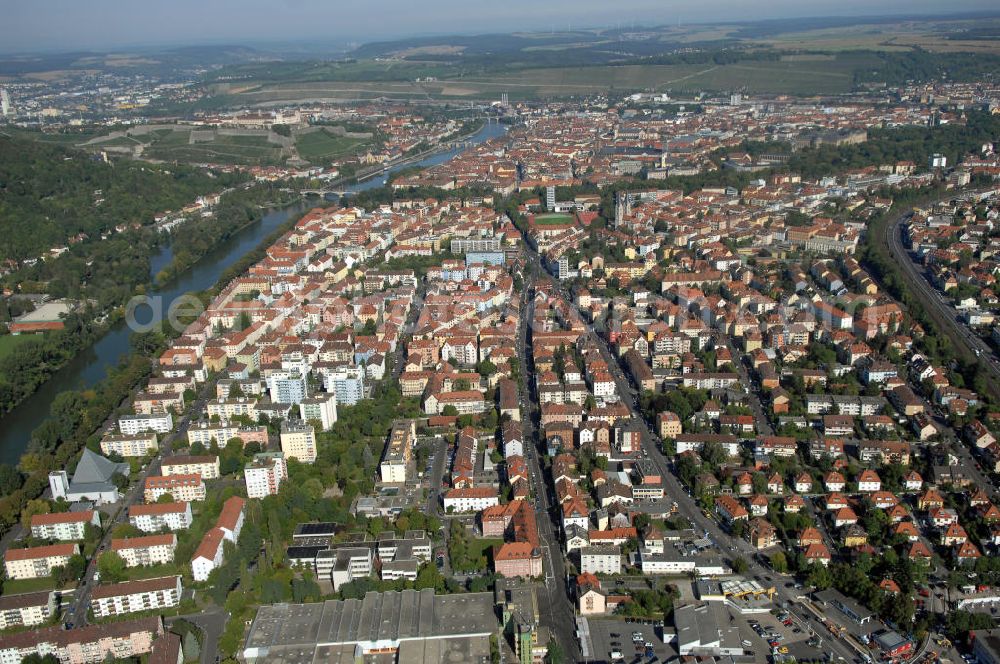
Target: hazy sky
x=31 y=25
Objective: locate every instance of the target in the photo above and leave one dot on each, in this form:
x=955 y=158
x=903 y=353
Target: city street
x=554 y=604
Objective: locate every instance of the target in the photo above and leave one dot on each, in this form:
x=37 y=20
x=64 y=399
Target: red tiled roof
x=35 y=552
x=62 y=517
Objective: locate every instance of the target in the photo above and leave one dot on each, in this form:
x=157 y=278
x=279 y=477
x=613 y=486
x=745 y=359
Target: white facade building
x=131 y=425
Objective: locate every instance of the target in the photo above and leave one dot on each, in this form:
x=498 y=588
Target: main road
x=556 y=609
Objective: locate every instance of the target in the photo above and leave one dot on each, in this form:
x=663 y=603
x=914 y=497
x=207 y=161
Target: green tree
x=556 y=654
x=111 y=567
x=36 y=506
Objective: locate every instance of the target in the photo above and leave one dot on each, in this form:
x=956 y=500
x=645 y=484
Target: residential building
x=134 y=596
x=298 y=441
x=155 y=517
x=470 y=499
x=398 y=454
x=320 y=407
x=287 y=387
x=131 y=425
x=63 y=525
x=347 y=383
x=601 y=560
x=92 y=644
x=207 y=466
x=27 y=609
x=138 y=445
x=184 y=488
x=37 y=561
x=211 y=550
x=264 y=474
x=145 y=551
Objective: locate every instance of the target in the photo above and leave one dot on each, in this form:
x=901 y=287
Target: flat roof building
x=418 y=626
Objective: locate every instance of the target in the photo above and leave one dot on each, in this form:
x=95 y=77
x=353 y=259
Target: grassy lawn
x=9 y=342
x=553 y=219
x=19 y=586
x=483 y=547
x=153 y=571
x=321 y=145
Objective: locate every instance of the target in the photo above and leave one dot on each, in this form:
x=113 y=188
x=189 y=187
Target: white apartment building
x=221 y=433
x=209 y=554
x=264 y=474
x=398 y=452
x=600 y=560
x=470 y=499
x=207 y=466
x=145 y=551
x=133 y=596
x=347 y=383
x=137 y=445
x=225 y=409
x=298 y=441
x=27 y=609
x=131 y=425
x=38 y=561
x=157 y=516
x=321 y=407
x=184 y=488
x=63 y=525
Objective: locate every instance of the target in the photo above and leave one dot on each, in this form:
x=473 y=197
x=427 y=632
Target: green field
x=796 y=76
x=19 y=586
x=176 y=146
x=553 y=219
x=9 y=342
x=322 y=145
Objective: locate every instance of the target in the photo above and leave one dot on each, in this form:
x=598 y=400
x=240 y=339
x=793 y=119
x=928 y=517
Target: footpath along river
x=91 y=365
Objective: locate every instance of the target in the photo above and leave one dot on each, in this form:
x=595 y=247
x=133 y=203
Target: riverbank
x=76 y=415
x=90 y=366
x=93 y=363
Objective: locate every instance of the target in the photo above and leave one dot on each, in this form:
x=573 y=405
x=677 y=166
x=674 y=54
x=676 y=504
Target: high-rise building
x=298 y=441
x=5 y=106
x=321 y=407
x=288 y=387
x=550 y=198
x=264 y=475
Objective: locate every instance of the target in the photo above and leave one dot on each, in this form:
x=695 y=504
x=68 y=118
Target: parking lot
x=609 y=636
x=762 y=629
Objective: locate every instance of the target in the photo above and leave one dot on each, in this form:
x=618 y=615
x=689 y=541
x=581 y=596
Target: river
x=91 y=365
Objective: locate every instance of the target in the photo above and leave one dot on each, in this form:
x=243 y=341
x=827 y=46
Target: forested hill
x=49 y=194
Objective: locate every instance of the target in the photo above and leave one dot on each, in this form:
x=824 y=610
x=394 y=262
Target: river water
x=91 y=365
